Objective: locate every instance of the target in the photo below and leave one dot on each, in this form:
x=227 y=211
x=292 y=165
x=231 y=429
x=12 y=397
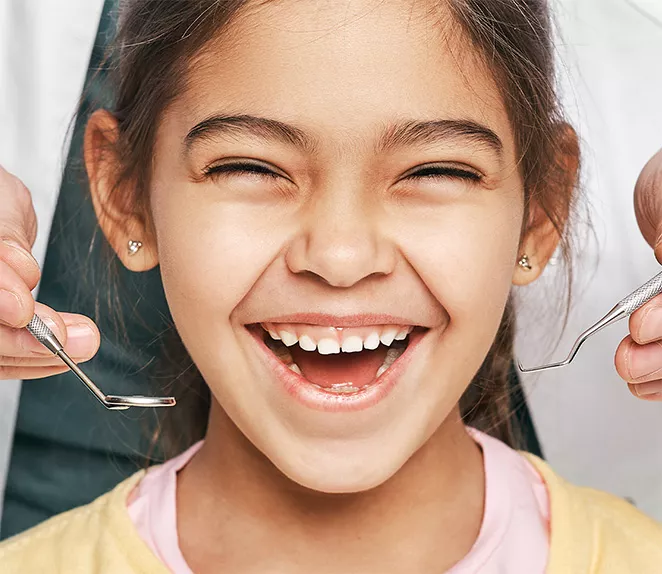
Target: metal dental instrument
x=45 y=336
x=623 y=309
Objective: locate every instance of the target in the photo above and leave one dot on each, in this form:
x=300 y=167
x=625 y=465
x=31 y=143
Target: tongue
x=325 y=370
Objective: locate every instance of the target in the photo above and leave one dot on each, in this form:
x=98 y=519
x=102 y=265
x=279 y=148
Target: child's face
x=341 y=229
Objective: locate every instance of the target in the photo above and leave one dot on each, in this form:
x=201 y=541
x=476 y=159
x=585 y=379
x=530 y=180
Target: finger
x=648 y=203
x=81 y=339
x=78 y=334
x=16 y=302
x=55 y=321
x=20 y=261
x=29 y=362
x=18 y=228
x=646 y=322
x=25 y=373
x=649 y=391
x=18 y=222
x=638 y=363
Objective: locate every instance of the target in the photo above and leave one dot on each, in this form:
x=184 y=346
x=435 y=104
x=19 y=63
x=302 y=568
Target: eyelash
x=445 y=172
x=246 y=168
x=433 y=173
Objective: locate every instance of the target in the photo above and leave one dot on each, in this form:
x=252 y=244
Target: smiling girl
x=340 y=196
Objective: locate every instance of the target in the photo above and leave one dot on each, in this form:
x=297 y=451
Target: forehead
x=341 y=66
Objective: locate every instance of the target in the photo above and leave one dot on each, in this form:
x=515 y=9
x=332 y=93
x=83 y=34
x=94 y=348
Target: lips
x=343 y=397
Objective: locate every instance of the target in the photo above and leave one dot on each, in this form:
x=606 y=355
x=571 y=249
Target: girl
x=340 y=196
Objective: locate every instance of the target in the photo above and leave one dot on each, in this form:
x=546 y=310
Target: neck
x=236 y=511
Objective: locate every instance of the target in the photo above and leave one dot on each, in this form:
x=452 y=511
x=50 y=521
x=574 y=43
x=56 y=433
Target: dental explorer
x=45 y=336
x=623 y=309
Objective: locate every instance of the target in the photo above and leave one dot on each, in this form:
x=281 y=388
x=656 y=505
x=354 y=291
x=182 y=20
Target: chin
x=341 y=478
x=340 y=468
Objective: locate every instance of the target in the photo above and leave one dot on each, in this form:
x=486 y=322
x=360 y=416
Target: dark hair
x=157 y=40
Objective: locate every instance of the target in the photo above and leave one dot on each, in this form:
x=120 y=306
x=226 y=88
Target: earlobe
x=545 y=225
x=527 y=269
x=136 y=257
x=536 y=249
x=524 y=263
x=115 y=202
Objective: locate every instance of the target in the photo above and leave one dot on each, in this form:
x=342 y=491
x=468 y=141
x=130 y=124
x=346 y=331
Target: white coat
x=45 y=48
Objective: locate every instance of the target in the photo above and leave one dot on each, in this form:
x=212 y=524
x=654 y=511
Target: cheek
x=459 y=250
x=211 y=252
x=465 y=254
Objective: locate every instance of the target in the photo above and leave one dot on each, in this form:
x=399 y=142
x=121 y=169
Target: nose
x=339 y=241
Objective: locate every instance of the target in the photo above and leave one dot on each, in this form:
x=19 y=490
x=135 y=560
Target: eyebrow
x=412 y=133
x=401 y=134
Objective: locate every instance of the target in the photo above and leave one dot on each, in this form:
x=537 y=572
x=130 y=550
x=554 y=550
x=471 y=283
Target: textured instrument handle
x=39 y=329
x=642 y=295
x=43 y=334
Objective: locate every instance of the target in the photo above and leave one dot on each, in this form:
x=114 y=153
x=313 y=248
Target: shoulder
x=597 y=532
x=97 y=538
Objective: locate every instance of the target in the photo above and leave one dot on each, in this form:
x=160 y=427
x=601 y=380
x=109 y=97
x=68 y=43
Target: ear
x=540 y=236
x=115 y=202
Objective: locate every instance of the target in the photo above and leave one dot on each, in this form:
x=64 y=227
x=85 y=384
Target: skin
x=340 y=232
x=400 y=486
x=343 y=238
x=639 y=356
x=21 y=356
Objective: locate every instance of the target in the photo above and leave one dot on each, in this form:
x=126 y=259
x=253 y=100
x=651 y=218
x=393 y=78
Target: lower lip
x=317 y=398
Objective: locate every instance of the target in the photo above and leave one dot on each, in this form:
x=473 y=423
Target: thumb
x=648 y=203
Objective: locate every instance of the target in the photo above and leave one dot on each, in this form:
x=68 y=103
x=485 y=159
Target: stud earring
x=134 y=246
x=524 y=263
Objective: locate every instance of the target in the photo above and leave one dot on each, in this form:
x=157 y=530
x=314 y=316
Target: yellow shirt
x=591 y=533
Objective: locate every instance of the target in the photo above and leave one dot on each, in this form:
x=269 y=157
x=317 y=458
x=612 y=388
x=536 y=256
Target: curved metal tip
x=542 y=367
x=115 y=402
x=619 y=312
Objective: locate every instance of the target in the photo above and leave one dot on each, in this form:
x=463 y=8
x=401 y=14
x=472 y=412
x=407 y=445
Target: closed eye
x=444 y=172
x=246 y=168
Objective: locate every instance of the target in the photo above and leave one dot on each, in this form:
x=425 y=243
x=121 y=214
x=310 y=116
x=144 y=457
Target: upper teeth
x=331 y=340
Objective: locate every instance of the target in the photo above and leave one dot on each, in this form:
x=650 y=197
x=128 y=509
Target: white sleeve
x=45 y=47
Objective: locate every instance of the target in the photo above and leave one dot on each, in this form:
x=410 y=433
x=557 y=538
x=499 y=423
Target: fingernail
x=644 y=360
x=11 y=309
x=80 y=340
x=651 y=325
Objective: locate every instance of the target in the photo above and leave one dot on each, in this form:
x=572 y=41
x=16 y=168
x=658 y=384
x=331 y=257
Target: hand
x=639 y=356
x=21 y=356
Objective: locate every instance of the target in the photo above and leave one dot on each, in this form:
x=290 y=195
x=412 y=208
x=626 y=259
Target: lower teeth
x=340 y=388
x=282 y=352
x=391 y=356
x=345 y=388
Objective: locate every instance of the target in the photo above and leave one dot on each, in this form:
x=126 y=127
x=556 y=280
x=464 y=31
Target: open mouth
x=336 y=360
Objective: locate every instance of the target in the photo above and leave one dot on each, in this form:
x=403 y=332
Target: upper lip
x=327 y=320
